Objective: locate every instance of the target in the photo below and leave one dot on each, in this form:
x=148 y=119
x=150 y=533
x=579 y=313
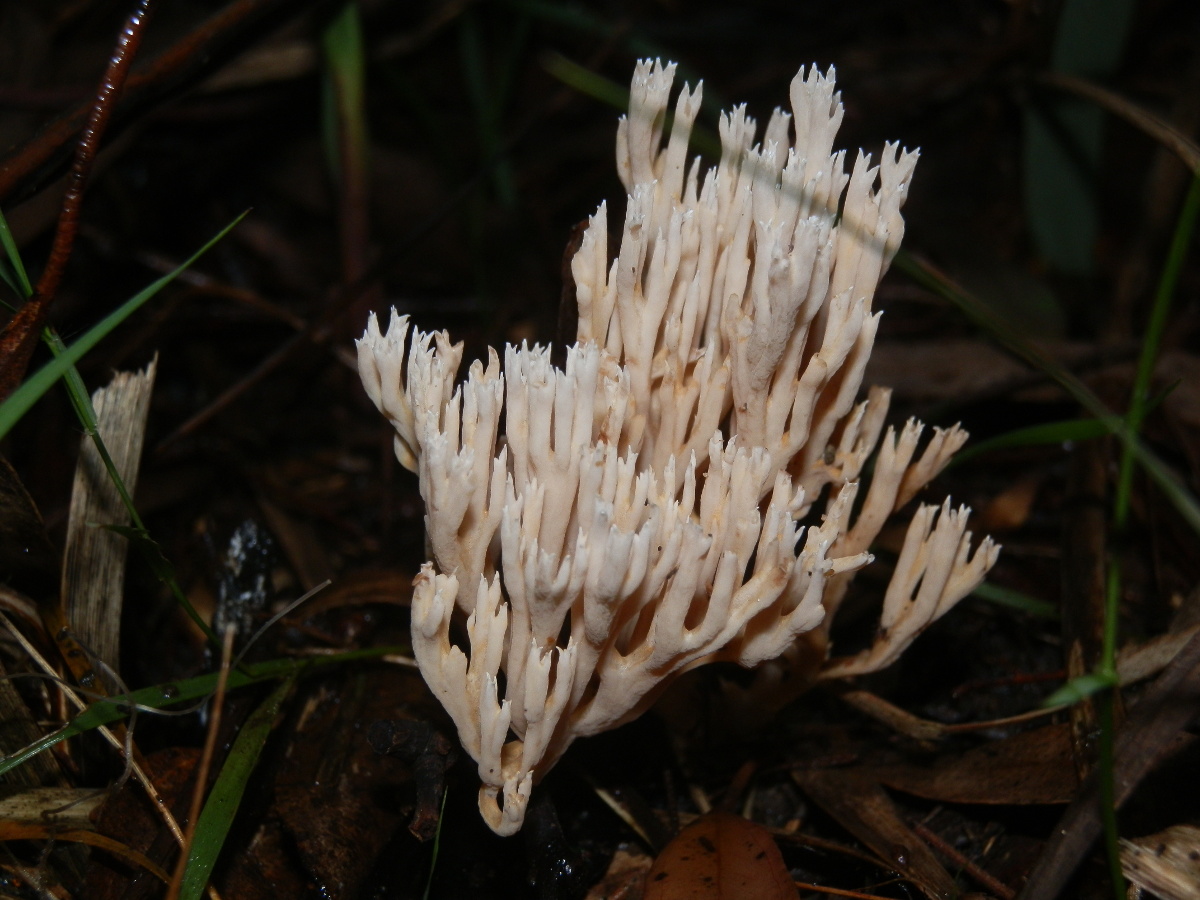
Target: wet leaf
x=1034 y=767
x=127 y=819
x=720 y=857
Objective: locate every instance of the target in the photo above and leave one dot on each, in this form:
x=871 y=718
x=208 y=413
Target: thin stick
x=1151 y=124
x=116 y=742
x=822 y=889
x=982 y=877
x=210 y=745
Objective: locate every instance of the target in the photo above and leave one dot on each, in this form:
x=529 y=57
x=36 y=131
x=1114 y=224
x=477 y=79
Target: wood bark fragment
x=94 y=560
x=1166 y=864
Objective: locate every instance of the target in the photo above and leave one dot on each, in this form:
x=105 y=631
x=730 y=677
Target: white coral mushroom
x=611 y=535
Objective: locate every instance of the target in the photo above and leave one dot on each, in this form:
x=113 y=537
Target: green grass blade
x=437 y=844
x=150 y=551
x=488 y=106
x=162 y=696
x=345 y=125
x=585 y=81
x=1063 y=137
x=578 y=18
x=1179 y=497
x=1140 y=401
x=1002 y=596
x=1138 y=408
x=82 y=403
x=1079 y=689
x=1033 y=435
x=226 y=795
x=31 y=391
x=23 y=287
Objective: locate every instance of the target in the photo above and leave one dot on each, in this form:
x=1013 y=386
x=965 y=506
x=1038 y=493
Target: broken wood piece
x=1166 y=864
x=93 y=577
x=61 y=807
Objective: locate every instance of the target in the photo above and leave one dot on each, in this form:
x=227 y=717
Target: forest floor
x=486 y=138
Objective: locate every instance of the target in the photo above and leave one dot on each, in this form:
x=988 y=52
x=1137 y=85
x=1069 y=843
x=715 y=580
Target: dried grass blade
x=20 y=831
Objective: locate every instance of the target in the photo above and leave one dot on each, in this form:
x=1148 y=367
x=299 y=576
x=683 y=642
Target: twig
x=982 y=878
x=22 y=332
x=206 y=757
x=838 y=892
x=1155 y=126
x=192 y=57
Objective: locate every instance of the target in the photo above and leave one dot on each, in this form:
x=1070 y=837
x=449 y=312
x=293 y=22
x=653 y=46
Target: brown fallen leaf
x=1030 y=768
x=1010 y=509
x=861 y=806
x=720 y=856
x=391 y=586
x=128 y=820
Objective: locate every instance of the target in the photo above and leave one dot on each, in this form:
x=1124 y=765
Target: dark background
x=481 y=163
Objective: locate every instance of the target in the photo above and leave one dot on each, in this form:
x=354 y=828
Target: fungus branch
x=639 y=512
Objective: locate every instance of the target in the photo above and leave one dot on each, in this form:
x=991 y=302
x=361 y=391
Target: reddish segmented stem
x=89 y=141
x=21 y=333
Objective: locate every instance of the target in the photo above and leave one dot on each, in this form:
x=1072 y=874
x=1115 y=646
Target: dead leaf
x=1034 y=767
x=947 y=369
x=720 y=856
x=128 y=820
x=625 y=878
x=58 y=806
x=1009 y=509
x=1136 y=662
x=860 y=806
